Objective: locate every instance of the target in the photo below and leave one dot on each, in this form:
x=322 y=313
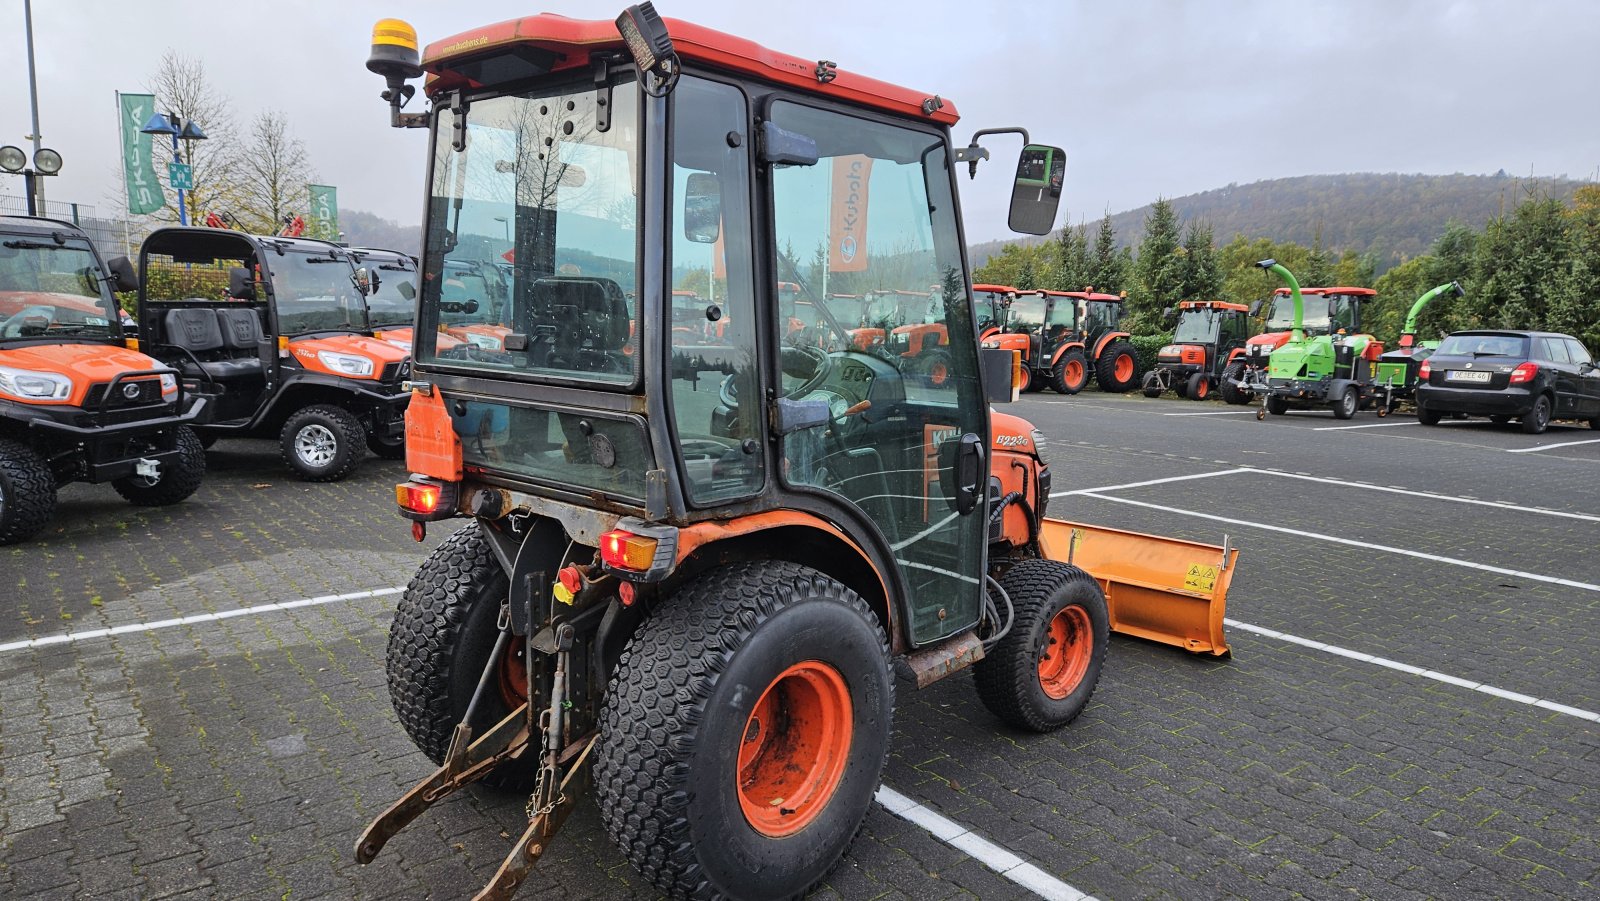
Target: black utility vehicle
x=1530 y=376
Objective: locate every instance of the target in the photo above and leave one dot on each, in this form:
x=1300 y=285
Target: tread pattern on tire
x=675 y=662
x=178 y=480
x=349 y=432
x=1105 y=368
x=1058 y=375
x=1231 y=394
x=384 y=450
x=1002 y=678
x=30 y=492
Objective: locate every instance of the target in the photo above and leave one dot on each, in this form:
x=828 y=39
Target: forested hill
x=1393 y=216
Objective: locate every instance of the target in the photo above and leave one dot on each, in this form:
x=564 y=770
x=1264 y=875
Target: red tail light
x=417 y=498
x=1425 y=371
x=624 y=550
x=1524 y=373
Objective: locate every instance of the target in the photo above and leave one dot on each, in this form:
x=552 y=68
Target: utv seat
x=198 y=333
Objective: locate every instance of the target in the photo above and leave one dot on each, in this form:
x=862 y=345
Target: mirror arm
x=972 y=154
x=602 y=63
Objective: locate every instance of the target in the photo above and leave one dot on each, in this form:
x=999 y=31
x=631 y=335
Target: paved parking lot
x=1410 y=711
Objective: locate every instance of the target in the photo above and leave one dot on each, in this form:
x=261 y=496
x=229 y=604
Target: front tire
x=1042 y=673
x=1118 y=368
x=1276 y=405
x=1151 y=385
x=27 y=492
x=444 y=630
x=1199 y=387
x=1232 y=394
x=176 y=481
x=386 y=449
x=1538 y=418
x=1345 y=406
x=744 y=732
x=1071 y=373
x=322 y=443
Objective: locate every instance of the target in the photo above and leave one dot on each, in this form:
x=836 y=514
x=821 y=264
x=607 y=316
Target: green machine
x=1334 y=369
x=1396 y=376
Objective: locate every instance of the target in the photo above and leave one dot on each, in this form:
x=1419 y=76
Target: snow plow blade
x=1161 y=589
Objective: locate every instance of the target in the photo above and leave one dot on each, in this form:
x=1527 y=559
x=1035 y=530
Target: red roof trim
x=995 y=289
x=576 y=38
x=1212 y=305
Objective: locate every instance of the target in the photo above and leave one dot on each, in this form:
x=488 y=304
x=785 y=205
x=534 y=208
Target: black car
x=1531 y=376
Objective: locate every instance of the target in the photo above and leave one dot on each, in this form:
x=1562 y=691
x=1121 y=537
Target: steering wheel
x=821 y=368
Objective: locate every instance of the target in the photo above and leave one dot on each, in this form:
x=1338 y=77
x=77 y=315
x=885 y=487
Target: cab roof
x=1081 y=295
x=1354 y=292
x=995 y=289
x=39 y=225
x=535 y=45
x=1213 y=305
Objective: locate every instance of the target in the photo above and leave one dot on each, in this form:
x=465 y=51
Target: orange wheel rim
x=794 y=747
x=1202 y=390
x=514 y=673
x=1064 y=658
x=1124 y=368
x=1074 y=372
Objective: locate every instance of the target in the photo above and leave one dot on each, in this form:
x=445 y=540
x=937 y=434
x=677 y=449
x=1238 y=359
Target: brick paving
x=239 y=758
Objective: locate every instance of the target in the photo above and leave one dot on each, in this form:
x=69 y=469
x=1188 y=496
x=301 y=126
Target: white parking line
x=1370 y=425
x=1545 y=447
x=196 y=618
x=1410 y=493
x=1366 y=545
x=1436 y=676
x=1198 y=475
x=979 y=848
x=1213 y=413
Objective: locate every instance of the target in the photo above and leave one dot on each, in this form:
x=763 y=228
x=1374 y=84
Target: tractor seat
x=597 y=303
x=198 y=331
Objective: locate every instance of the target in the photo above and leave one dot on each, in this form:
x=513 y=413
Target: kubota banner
x=138 y=169
x=847 y=229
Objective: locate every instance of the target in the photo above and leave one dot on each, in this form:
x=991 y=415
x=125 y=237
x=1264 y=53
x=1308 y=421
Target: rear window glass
x=1485 y=345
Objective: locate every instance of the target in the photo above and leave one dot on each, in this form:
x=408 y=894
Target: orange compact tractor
x=992 y=302
x=1210 y=335
x=77 y=402
x=274 y=331
x=1066 y=336
x=701 y=599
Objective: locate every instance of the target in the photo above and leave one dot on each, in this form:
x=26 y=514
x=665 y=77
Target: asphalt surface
x=240 y=756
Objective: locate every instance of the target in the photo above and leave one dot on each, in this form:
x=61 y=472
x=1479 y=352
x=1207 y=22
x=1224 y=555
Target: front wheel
x=1199 y=387
x=1346 y=404
x=177 y=479
x=1041 y=674
x=1536 y=420
x=27 y=492
x=1071 y=373
x=1151 y=385
x=1118 y=368
x=1276 y=405
x=744 y=732
x=322 y=443
x=1231 y=393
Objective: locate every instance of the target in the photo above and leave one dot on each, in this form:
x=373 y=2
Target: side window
x=1577 y=351
x=716 y=407
x=1551 y=349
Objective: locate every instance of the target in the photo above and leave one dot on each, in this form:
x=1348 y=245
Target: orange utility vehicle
x=77 y=403
x=275 y=332
x=707 y=614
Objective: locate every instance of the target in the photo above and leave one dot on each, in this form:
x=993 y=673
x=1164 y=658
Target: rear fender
x=1161 y=589
x=1056 y=357
x=1107 y=338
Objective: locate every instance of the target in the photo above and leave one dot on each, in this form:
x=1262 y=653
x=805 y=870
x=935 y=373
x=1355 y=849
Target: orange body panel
x=866 y=338
x=1107 y=338
x=1013 y=460
x=382 y=353
x=1270 y=340
x=1070 y=345
x=405 y=338
x=84 y=364
x=924 y=337
x=1162 y=589
x=1011 y=341
x=432 y=446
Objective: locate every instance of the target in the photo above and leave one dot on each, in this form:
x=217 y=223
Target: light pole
x=506 y=224
x=180 y=174
x=45 y=162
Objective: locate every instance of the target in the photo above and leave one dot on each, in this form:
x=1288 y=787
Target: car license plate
x=1466 y=375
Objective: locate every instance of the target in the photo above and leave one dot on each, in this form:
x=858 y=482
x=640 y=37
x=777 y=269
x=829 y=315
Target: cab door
x=876 y=212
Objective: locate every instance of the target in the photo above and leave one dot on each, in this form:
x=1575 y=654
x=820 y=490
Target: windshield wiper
x=33 y=245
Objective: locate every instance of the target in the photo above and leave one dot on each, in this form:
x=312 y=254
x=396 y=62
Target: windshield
x=1470 y=345
x=541 y=187
x=1281 y=318
x=395 y=300
x=1027 y=313
x=51 y=289
x=1196 y=327
x=315 y=292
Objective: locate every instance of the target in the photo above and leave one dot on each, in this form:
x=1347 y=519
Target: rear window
x=1485 y=346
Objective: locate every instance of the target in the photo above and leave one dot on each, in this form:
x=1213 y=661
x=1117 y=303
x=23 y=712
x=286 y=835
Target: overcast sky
x=1149 y=98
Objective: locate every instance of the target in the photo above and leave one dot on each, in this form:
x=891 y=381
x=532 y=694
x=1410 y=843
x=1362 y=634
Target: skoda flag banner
x=138 y=169
x=324 y=216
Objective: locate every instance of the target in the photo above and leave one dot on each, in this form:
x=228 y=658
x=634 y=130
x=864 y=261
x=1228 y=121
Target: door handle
x=969 y=473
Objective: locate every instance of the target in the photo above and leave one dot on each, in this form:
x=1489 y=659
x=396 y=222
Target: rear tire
x=1041 y=675
x=322 y=443
x=1117 y=368
x=177 y=480
x=1276 y=405
x=385 y=449
x=935 y=366
x=1071 y=373
x=1538 y=418
x=1427 y=416
x=685 y=763
x=1348 y=402
x=1199 y=387
x=444 y=629
x=1230 y=393
x=27 y=492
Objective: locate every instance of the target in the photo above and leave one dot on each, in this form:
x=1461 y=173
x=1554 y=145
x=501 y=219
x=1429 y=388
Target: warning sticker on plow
x=1201 y=577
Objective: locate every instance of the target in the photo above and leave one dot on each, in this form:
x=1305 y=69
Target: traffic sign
x=180 y=176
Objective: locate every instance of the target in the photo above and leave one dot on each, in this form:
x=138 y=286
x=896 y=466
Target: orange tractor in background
x=992 y=302
x=1208 y=338
x=1064 y=337
x=703 y=600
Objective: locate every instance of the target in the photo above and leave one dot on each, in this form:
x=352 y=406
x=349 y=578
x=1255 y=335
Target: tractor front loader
x=1398 y=369
x=701 y=600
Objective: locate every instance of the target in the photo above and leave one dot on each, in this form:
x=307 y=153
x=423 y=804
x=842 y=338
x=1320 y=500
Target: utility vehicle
x=1067 y=336
x=1210 y=335
x=1325 y=311
x=76 y=403
x=274 y=331
x=1308 y=370
x=707 y=614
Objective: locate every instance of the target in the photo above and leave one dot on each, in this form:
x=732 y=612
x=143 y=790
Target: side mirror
x=367 y=280
x=241 y=285
x=1168 y=313
x=1255 y=307
x=702 y=208
x=1036 y=194
x=123 y=275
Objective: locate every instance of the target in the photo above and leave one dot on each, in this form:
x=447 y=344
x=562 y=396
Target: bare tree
x=181 y=87
x=271 y=171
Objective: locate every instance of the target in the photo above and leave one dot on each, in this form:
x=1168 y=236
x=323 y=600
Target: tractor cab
x=992 y=303
x=276 y=332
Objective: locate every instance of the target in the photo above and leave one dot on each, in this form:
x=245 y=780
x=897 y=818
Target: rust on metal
x=930 y=664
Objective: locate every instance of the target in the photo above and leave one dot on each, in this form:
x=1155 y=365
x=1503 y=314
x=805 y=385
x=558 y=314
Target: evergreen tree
x=1072 y=267
x=1158 y=272
x=1202 y=279
x=1109 y=272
